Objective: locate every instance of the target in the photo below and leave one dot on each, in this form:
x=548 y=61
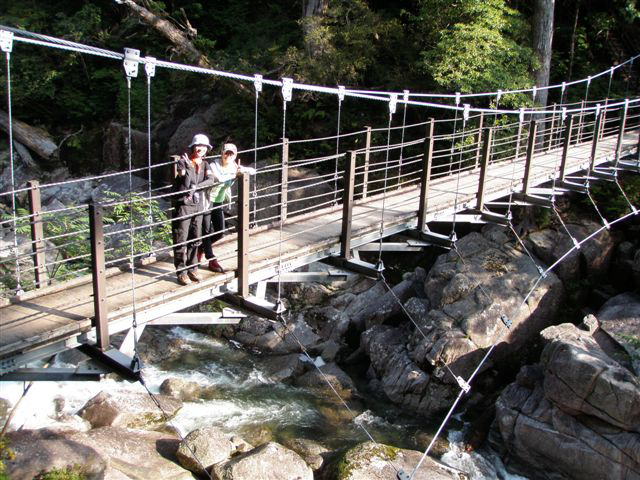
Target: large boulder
x=129 y=410
x=374 y=461
x=203 y=448
x=270 y=461
x=318 y=379
x=620 y=318
x=110 y=453
x=575 y=415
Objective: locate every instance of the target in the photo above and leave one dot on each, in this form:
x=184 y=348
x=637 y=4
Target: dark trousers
x=186 y=236
x=212 y=223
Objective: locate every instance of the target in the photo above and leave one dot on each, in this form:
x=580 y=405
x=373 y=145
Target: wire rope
x=384 y=192
x=335 y=172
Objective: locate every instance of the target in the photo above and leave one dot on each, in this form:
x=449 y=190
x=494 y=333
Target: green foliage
x=75 y=472
x=475 y=46
x=5 y=454
x=610 y=200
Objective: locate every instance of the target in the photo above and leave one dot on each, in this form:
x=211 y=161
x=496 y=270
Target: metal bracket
x=257 y=82
x=402 y=476
x=463 y=385
x=131 y=61
x=6 y=40
x=357 y=266
x=405 y=96
x=150 y=66
x=287 y=88
x=465 y=112
x=506 y=320
x=341 y=90
x=253 y=305
x=114 y=360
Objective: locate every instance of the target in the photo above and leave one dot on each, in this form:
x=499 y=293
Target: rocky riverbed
x=558 y=397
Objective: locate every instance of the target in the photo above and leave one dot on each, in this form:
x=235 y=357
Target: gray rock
x=270 y=461
x=128 y=409
x=576 y=415
x=367 y=461
x=203 y=448
x=340 y=381
x=181 y=389
x=309 y=450
x=620 y=318
x=283 y=368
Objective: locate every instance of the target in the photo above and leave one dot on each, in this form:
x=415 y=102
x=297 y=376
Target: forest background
x=420 y=45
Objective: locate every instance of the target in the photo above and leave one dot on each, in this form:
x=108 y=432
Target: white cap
x=200 y=139
x=230 y=147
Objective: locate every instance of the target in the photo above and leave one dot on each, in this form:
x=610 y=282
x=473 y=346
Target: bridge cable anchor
x=287 y=89
x=131 y=61
x=463 y=385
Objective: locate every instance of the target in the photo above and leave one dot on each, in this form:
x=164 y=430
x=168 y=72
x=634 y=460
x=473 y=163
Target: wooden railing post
x=425 y=175
x=568 y=127
x=484 y=166
x=243 y=235
x=531 y=146
x=596 y=138
x=367 y=149
x=347 y=205
x=623 y=124
x=100 y=306
x=284 y=179
x=479 y=141
x=37 y=234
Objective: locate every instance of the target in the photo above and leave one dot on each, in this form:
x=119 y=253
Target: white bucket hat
x=230 y=147
x=200 y=139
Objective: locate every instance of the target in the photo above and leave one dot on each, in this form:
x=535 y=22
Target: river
x=243 y=400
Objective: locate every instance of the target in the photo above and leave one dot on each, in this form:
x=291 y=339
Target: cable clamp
x=150 y=66
x=576 y=243
x=463 y=385
x=405 y=96
x=257 y=82
x=541 y=271
x=521 y=115
x=465 y=112
x=564 y=85
x=564 y=113
x=588 y=80
x=6 y=40
x=534 y=91
x=287 y=88
x=597 y=109
x=131 y=60
x=506 y=320
x=340 y=93
x=607 y=225
x=393 y=101
x=402 y=476
x=498 y=97
x=453 y=237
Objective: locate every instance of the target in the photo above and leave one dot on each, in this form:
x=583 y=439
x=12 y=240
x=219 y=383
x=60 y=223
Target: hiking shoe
x=183 y=279
x=194 y=276
x=214 y=266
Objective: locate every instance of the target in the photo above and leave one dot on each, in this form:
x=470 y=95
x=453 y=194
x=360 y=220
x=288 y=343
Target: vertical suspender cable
x=404 y=123
x=150 y=71
x=453 y=135
x=13 y=179
x=455 y=207
x=392 y=110
x=131 y=70
x=629 y=75
x=335 y=173
x=257 y=83
x=286 y=96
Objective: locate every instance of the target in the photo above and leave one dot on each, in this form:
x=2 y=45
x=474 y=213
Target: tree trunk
x=35 y=139
x=574 y=33
x=542 y=39
x=171 y=33
x=312 y=11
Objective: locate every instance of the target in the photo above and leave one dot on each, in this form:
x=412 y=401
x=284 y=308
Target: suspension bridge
x=463 y=166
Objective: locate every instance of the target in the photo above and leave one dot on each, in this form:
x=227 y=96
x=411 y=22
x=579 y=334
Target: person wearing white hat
x=193 y=174
x=224 y=171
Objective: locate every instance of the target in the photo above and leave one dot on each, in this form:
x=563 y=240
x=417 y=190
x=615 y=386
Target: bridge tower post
x=243 y=235
x=37 y=234
x=596 y=138
x=347 y=205
x=367 y=150
x=531 y=146
x=99 y=277
x=425 y=176
x=568 y=128
x=484 y=166
x=284 y=180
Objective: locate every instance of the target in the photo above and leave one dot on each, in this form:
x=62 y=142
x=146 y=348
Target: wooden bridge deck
x=60 y=313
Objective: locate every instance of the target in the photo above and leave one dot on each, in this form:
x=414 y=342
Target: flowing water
x=242 y=400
